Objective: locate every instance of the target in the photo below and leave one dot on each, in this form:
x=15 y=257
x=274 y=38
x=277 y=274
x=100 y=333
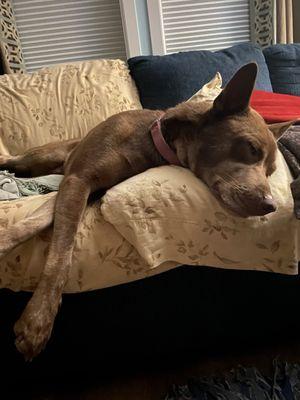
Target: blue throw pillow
x=283 y=61
x=164 y=81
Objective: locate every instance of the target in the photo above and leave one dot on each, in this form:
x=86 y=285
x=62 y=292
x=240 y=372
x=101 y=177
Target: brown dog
x=227 y=145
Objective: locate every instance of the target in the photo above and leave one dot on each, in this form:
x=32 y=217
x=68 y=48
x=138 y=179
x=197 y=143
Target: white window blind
x=60 y=31
x=201 y=24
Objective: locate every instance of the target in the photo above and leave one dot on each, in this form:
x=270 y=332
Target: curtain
x=10 y=45
x=271 y=21
x=262 y=16
x=284 y=21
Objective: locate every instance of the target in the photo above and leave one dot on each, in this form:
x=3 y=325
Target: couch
x=185 y=310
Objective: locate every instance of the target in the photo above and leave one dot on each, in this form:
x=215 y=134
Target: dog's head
x=228 y=145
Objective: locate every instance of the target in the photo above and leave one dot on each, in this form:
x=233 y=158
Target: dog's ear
x=236 y=95
x=279 y=128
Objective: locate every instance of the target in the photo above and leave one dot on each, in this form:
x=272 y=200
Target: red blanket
x=275 y=107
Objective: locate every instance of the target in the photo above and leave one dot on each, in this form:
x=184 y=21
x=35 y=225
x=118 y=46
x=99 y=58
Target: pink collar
x=161 y=145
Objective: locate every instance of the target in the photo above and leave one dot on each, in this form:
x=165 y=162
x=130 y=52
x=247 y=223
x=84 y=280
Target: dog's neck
x=169 y=154
x=179 y=139
x=181 y=127
x=182 y=152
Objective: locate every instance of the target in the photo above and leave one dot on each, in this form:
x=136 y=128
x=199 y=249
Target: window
x=179 y=25
x=59 y=31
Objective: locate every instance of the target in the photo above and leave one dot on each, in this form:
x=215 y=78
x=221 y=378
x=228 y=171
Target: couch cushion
x=102 y=257
x=62 y=102
x=283 y=61
x=164 y=81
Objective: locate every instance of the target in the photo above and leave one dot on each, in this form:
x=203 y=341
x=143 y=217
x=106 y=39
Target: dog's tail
x=28 y=227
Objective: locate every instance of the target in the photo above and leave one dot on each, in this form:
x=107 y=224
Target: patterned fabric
x=168 y=214
x=262 y=22
x=62 y=102
x=102 y=256
x=243 y=384
x=12 y=188
x=289 y=145
x=10 y=45
x=272 y=21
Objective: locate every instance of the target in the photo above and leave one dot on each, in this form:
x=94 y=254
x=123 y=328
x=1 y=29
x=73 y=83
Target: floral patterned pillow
x=62 y=102
x=168 y=214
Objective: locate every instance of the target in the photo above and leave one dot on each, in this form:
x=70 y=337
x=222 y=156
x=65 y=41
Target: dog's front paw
x=34 y=328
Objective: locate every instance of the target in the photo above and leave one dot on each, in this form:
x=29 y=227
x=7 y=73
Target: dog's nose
x=268 y=204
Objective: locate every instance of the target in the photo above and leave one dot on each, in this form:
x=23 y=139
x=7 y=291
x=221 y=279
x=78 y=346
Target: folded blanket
x=276 y=107
x=243 y=384
x=289 y=145
x=12 y=188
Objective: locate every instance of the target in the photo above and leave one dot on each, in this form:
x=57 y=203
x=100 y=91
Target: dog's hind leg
x=34 y=328
x=43 y=160
x=26 y=228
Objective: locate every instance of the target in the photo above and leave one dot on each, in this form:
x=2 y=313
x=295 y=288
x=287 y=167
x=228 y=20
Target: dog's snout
x=268 y=204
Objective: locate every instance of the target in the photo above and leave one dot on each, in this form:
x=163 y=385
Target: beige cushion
x=62 y=102
x=102 y=256
x=167 y=214
x=209 y=91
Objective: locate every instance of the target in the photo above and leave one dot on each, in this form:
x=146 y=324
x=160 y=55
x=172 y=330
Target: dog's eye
x=253 y=150
x=244 y=151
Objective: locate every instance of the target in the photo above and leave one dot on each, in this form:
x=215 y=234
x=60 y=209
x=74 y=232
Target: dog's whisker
x=234 y=180
x=231 y=184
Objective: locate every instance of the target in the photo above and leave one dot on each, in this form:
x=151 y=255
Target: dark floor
x=152 y=383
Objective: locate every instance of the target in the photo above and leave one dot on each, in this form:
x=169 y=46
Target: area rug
x=243 y=384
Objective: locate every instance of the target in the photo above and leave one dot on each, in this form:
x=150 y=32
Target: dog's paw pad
x=24 y=347
x=33 y=331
